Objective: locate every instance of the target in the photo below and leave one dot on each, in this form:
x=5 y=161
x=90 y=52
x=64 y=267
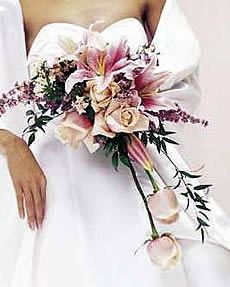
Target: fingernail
x=22 y=216
x=32 y=225
x=40 y=225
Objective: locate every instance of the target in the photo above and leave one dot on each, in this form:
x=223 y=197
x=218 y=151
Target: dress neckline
x=125 y=19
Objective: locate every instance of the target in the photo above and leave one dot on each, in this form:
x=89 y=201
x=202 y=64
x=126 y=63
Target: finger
x=43 y=191
x=30 y=209
x=38 y=204
x=20 y=202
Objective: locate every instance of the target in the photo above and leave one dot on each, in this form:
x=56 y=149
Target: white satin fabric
x=94 y=217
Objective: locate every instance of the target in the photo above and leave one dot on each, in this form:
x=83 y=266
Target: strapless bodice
x=47 y=43
x=178 y=48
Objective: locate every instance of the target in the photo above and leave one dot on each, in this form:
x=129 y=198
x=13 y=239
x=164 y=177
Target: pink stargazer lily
x=147 y=83
x=138 y=152
x=100 y=65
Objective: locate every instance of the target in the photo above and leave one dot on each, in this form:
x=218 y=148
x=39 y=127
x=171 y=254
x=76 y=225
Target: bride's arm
x=28 y=179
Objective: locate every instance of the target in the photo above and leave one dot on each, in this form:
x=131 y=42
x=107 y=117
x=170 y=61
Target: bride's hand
x=28 y=178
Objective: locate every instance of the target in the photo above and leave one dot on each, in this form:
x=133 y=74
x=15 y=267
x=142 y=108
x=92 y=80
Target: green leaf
x=144 y=139
x=40 y=106
x=170 y=141
x=163 y=145
x=165 y=133
x=188 y=202
x=205 y=215
x=125 y=160
x=203 y=207
x=199 y=198
x=178 y=184
x=152 y=138
x=190 y=193
x=41 y=128
x=90 y=113
x=198 y=227
x=45 y=118
x=29 y=113
x=177 y=172
x=115 y=160
x=29 y=119
x=189 y=175
x=184 y=194
x=204 y=186
x=202 y=222
x=31 y=139
x=158 y=143
x=108 y=148
x=202 y=235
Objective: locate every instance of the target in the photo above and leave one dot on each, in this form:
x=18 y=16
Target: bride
x=84 y=221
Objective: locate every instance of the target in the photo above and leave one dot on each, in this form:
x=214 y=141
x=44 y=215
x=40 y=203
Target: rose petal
x=164 y=252
x=164 y=205
x=90 y=143
x=100 y=127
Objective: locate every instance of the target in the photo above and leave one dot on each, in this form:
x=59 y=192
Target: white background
x=211 y=146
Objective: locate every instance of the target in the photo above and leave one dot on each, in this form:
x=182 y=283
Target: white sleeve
x=13 y=65
x=179 y=53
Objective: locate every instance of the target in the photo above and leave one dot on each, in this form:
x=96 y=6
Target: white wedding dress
x=95 y=219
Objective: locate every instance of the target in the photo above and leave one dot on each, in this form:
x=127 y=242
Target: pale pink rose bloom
x=164 y=206
x=100 y=100
x=164 y=252
x=74 y=129
x=121 y=117
x=138 y=152
x=100 y=126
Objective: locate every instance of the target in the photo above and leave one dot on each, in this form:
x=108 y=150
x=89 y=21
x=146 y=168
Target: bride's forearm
x=8 y=141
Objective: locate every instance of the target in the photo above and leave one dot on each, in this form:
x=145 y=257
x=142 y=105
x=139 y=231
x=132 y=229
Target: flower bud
x=138 y=152
x=163 y=206
x=164 y=251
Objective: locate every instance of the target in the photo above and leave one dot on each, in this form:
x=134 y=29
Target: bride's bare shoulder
x=154 y=9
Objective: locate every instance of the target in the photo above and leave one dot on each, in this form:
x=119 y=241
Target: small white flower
x=80 y=104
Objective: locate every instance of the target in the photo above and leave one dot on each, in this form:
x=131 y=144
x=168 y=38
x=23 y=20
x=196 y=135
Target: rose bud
x=164 y=251
x=163 y=206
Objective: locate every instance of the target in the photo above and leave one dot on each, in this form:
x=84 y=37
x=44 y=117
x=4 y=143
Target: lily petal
x=138 y=152
x=78 y=77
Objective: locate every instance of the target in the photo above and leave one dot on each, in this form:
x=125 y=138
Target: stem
x=154 y=230
x=154 y=184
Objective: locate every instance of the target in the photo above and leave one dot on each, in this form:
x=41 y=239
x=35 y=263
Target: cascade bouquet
x=110 y=98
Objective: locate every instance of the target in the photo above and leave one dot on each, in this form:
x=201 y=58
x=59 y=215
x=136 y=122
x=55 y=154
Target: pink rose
x=164 y=251
x=101 y=99
x=75 y=128
x=121 y=117
x=164 y=206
